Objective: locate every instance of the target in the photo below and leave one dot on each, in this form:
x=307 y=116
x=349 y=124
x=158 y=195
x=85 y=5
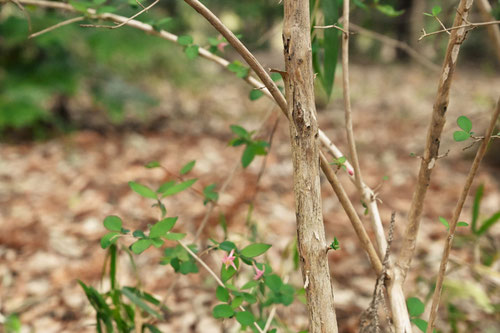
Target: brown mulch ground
x=55 y=194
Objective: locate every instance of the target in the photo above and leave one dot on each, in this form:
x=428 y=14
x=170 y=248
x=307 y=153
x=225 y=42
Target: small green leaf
x=444 y=222
x=245 y=318
x=389 y=10
x=192 y=51
x=436 y=10
x=162 y=227
x=250 y=284
x=460 y=136
x=165 y=186
x=240 y=131
x=157 y=242
x=179 y=187
x=275 y=76
x=236 y=302
x=141 y=245
x=420 y=323
x=247 y=157
x=222 y=311
x=153 y=164
x=222 y=294
x=185 y=40
x=335 y=245
x=237 y=142
x=249 y=298
x=108 y=239
x=210 y=194
x=227 y=246
x=136 y=299
x=255 y=250
x=138 y=234
x=238 y=68
x=188 y=167
x=175 y=236
x=462 y=224
x=113 y=223
x=464 y=123
x=142 y=190
x=415 y=306
x=273 y=282
x=255 y=94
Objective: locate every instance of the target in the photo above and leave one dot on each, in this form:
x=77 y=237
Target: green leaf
x=222 y=311
x=185 y=40
x=238 y=68
x=460 y=136
x=157 y=242
x=165 y=186
x=210 y=194
x=436 y=10
x=250 y=284
x=247 y=157
x=222 y=294
x=255 y=94
x=389 y=10
x=444 y=222
x=245 y=318
x=188 y=267
x=415 y=306
x=273 y=282
x=141 y=245
x=175 y=236
x=255 y=250
x=179 y=187
x=162 y=227
x=462 y=224
x=240 y=131
x=237 y=142
x=160 y=24
x=108 y=239
x=142 y=190
x=475 y=208
x=464 y=123
x=138 y=234
x=236 y=302
x=249 y=298
x=134 y=298
x=331 y=12
x=192 y=51
x=275 y=76
x=420 y=323
x=227 y=246
x=188 y=167
x=153 y=164
x=228 y=273
x=489 y=223
x=113 y=223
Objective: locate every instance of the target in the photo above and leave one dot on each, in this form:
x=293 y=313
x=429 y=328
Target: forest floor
x=55 y=194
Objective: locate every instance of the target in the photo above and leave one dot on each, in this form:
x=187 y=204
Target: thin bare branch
x=21 y=7
x=58 y=25
x=469 y=25
x=456 y=215
x=122 y=23
x=347 y=98
x=431 y=152
x=345 y=30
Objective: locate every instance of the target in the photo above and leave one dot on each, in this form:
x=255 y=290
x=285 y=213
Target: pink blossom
x=350 y=172
x=221 y=46
x=228 y=260
x=258 y=272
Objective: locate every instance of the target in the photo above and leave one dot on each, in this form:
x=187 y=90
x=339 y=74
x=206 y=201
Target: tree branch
x=431 y=152
x=456 y=215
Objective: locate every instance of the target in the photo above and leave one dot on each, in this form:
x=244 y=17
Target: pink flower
x=221 y=46
x=258 y=272
x=350 y=172
x=228 y=260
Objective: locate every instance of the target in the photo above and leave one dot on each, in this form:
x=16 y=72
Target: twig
x=365 y=241
x=58 y=25
x=432 y=143
x=441 y=24
x=345 y=30
x=456 y=215
x=216 y=278
x=467 y=25
x=396 y=43
x=124 y=22
x=347 y=98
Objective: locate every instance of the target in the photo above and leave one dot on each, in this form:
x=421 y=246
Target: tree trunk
x=299 y=88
